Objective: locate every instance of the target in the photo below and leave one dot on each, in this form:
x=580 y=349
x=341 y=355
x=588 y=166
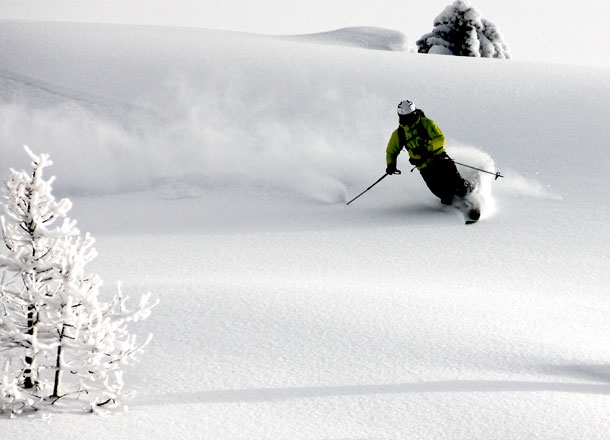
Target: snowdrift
x=362 y=37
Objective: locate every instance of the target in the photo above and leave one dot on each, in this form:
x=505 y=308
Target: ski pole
x=378 y=180
x=497 y=173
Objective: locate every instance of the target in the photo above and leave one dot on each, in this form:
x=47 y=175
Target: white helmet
x=406 y=107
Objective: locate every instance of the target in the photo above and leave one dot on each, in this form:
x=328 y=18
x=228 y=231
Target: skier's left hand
x=391 y=169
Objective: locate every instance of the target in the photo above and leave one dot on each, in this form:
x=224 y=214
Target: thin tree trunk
x=29 y=381
x=58 y=364
x=28 y=372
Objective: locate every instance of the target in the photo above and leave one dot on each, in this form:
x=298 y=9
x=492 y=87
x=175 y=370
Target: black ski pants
x=444 y=180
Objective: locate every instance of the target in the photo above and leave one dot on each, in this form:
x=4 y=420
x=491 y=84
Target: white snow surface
x=213 y=170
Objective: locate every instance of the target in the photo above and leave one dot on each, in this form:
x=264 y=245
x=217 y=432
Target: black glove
x=439 y=157
x=416 y=162
x=391 y=169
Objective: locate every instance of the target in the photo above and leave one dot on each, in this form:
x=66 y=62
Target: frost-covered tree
x=460 y=30
x=57 y=337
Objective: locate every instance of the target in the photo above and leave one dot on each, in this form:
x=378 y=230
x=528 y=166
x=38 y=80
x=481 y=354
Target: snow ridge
x=363 y=37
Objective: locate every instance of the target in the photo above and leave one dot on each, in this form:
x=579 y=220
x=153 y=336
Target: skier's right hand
x=391 y=169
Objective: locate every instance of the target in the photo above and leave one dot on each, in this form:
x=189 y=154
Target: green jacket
x=424 y=140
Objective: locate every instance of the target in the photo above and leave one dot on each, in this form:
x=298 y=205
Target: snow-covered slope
x=214 y=167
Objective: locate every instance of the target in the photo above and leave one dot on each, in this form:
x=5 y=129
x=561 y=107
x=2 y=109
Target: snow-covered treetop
x=460 y=30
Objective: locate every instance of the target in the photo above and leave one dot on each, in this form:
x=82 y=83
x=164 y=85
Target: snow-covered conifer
x=460 y=30
x=59 y=338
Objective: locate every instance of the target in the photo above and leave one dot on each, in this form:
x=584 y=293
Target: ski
x=471 y=212
x=473 y=216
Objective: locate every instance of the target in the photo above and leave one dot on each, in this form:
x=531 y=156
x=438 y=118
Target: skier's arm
x=393 y=149
x=437 y=139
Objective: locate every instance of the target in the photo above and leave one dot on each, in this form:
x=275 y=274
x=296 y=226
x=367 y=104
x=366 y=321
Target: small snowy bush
x=13 y=399
x=460 y=30
x=57 y=337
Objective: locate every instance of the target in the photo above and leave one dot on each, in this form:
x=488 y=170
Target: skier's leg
x=444 y=181
x=435 y=178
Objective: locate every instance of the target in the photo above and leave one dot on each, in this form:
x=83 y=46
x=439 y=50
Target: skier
x=424 y=143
